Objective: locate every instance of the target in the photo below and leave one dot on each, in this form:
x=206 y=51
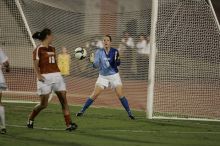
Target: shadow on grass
x=118 y=139
x=44 y=142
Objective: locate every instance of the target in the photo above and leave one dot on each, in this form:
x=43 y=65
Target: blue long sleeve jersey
x=107 y=63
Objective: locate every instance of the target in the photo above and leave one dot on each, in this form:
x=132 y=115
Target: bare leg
x=119 y=91
x=96 y=92
x=65 y=108
x=66 y=112
x=43 y=104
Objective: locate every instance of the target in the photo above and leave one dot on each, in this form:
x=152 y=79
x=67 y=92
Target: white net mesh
x=187 y=78
x=16 y=43
x=82 y=23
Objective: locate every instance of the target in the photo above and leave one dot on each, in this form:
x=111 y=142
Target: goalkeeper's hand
x=117 y=58
x=92 y=58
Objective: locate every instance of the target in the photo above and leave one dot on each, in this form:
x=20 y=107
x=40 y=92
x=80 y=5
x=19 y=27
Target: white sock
x=2 y=116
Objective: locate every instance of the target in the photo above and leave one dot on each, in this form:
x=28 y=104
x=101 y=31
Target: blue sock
x=86 y=105
x=125 y=104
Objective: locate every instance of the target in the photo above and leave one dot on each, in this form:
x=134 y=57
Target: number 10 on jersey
x=51 y=59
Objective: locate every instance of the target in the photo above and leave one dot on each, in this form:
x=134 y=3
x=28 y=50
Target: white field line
x=124 y=130
x=155 y=131
x=38 y=128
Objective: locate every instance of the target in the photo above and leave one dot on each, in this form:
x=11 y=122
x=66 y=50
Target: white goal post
x=150 y=95
x=214 y=14
x=152 y=62
x=25 y=23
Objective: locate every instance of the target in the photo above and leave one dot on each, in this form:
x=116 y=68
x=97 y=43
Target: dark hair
x=109 y=37
x=42 y=35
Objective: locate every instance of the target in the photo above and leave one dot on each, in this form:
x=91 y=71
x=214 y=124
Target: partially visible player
x=49 y=78
x=3 y=62
x=64 y=62
x=107 y=61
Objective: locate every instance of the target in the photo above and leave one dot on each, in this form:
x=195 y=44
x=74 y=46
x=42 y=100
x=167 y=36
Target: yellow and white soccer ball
x=80 y=53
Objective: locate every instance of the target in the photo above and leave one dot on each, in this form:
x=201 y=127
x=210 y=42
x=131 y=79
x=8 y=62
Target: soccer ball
x=80 y=53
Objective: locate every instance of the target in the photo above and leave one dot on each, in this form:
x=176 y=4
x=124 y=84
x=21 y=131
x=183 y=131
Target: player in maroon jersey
x=49 y=78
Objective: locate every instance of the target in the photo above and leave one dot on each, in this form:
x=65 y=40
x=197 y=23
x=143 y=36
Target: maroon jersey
x=47 y=59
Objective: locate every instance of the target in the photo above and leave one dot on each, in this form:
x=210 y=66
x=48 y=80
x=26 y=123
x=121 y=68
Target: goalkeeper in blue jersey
x=107 y=61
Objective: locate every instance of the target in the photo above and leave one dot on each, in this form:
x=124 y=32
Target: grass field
x=104 y=127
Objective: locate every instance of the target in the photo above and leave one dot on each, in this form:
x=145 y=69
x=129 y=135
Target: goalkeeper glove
x=92 y=58
x=117 y=58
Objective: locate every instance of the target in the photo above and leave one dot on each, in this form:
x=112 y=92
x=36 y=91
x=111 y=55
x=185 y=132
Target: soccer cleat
x=30 y=124
x=79 y=114
x=72 y=127
x=3 y=131
x=131 y=117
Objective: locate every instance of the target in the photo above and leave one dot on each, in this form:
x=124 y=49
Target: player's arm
x=55 y=55
x=94 y=59
x=117 y=58
x=36 y=66
x=37 y=71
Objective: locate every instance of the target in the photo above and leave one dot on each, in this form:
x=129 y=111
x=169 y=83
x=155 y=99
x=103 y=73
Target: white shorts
x=109 y=81
x=53 y=82
x=3 y=85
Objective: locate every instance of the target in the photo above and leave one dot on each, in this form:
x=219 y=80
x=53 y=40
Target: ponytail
x=37 y=35
x=42 y=35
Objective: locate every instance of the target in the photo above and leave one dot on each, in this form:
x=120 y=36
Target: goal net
x=15 y=42
x=78 y=23
x=187 y=68
x=187 y=73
